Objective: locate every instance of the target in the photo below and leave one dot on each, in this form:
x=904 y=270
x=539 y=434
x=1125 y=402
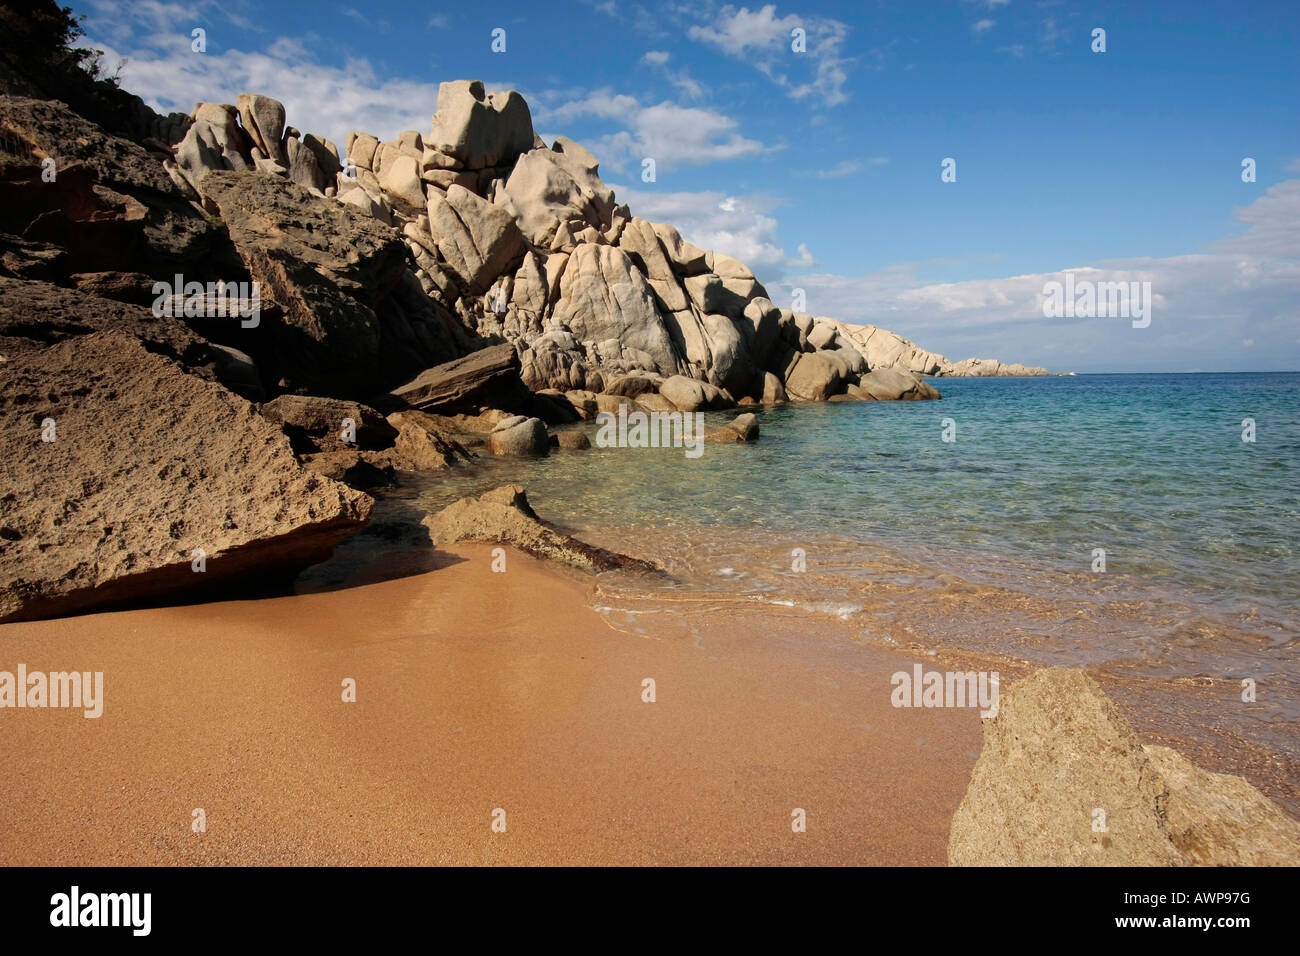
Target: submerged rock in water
x=1064 y=781
x=504 y=516
x=742 y=429
x=519 y=435
x=571 y=440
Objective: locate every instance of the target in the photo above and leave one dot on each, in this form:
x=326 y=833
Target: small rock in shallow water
x=503 y=515
x=518 y=435
x=572 y=440
x=743 y=429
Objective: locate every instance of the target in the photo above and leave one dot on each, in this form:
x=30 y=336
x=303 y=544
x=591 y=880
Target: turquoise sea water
x=986 y=542
x=1152 y=468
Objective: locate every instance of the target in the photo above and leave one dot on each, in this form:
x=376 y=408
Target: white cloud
x=841 y=169
x=153 y=17
x=153 y=37
x=328 y=100
x=1274 y=221
x=845 y=168
x=673 y=135
x=981 y=27
x=1050 y=34
x=686 y=84
x=764 y=40
x=1206 y=305
x=738 y=32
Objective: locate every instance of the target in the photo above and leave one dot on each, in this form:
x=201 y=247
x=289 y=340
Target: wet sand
x=475 y=691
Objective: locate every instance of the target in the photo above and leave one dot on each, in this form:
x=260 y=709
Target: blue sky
x=821 y=169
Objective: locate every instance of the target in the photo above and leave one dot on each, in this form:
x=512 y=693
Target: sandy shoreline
x=475 y=691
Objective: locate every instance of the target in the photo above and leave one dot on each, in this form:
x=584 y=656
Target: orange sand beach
x=475 y=692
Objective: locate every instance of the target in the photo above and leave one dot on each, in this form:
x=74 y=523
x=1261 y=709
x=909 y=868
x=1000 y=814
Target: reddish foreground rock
x=1064 y=781
x=127 y=478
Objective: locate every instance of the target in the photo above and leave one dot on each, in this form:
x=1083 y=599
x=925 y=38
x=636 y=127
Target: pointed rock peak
x=480 y=129
x=576 y=152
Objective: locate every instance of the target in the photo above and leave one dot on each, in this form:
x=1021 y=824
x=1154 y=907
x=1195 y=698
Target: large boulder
x=893 y=384
x=763 y=322
x=303 y=168
x=150 y=470
x=773 y=391
x=423 y=444
x=263 y=118
x=739 y=282
x=214 y=140
x=555 y=194
x=1064 y=781
x=400 y=180
x=692 y=395
x=34 y=315
x=815 y=377
x=606 y=303
x=687 y=259
x=328 y=267
x=823 y=334
x=503 y=516
x=730 y=364
x=552 y=360
x=326 y=155
x=478 y=129
x=647 y=253
x=478 y=241
x=176 y=234
x=883 y=349
x=488 y=377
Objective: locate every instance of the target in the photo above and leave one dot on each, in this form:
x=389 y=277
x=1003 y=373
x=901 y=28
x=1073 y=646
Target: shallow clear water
x=987 y=542
x=1152 y=468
